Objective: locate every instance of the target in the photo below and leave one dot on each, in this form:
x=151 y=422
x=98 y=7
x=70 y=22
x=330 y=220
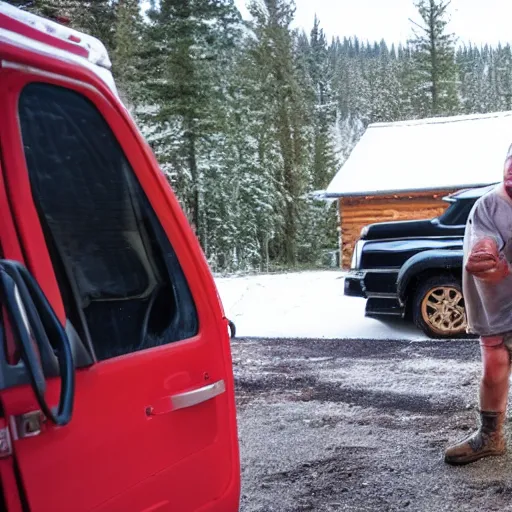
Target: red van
x=116 y=384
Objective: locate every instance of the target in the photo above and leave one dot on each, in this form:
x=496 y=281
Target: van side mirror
x=232 y=329
x=40 y=336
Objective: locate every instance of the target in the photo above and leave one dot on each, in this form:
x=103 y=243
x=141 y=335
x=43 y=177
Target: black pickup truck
x=413 y=269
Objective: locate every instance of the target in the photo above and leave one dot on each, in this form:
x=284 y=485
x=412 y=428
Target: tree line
x=249 y=118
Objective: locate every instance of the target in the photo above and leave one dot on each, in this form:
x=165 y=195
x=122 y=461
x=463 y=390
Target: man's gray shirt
x=488 y=305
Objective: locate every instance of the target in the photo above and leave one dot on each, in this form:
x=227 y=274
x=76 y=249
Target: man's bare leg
x=495 y=376
x=488 y=440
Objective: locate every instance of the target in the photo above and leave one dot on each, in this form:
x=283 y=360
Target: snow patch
x=432 y=376
x=303 y=305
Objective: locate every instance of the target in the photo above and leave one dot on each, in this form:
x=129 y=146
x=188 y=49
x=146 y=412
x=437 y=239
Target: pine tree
x=503 y=69
x=274 y=56
x=410 y=106
x=434 y=54
x=489 y=94
x=186 y=41
x=126 y=61
x=255 y=199
x=324 y=108
x=386 y=97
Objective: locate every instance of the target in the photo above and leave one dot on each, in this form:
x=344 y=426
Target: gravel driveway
x=330 y=425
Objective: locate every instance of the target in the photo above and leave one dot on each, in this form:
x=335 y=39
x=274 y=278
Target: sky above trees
x=478 y=21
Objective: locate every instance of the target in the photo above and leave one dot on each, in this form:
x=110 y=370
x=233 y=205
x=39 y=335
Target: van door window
x=118 y=274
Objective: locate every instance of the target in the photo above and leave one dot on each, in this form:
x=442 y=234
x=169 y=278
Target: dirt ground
x=330 y=425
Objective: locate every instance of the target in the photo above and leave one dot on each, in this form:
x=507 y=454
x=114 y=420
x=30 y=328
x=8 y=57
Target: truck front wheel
x=438 y=307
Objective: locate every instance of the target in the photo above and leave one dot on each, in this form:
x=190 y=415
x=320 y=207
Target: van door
x=154 y=424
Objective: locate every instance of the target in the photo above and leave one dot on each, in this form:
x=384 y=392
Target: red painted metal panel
x=113 y=456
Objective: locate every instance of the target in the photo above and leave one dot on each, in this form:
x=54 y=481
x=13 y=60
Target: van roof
x=24 y=29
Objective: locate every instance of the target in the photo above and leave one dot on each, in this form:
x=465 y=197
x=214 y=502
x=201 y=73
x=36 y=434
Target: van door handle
x=187 y=399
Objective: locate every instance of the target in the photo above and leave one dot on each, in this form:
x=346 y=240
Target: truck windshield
x=457 y=213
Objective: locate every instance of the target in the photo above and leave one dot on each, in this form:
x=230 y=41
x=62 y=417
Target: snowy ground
x=304 y=305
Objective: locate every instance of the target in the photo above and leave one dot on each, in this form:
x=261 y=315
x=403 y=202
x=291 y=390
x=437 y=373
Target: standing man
x=487 y=286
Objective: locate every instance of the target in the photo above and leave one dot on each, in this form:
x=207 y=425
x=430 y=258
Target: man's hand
x=486 y=263
x=483 y=257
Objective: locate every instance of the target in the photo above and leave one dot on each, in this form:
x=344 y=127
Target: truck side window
x=118 y=274
x=457 y=213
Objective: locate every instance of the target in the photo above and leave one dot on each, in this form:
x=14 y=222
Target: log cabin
x=402 y=171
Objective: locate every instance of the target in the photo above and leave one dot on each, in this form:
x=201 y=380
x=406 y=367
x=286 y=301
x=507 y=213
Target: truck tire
x=438 y=307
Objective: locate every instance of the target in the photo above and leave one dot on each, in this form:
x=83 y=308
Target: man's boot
x=487 y=441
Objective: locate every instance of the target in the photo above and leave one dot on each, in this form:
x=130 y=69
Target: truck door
x=153 y=427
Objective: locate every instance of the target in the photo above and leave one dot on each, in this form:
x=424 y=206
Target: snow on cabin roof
x=44 y=36
x=427 y=154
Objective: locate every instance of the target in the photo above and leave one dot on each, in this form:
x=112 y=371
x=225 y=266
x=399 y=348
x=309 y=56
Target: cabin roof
x=426 y=154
